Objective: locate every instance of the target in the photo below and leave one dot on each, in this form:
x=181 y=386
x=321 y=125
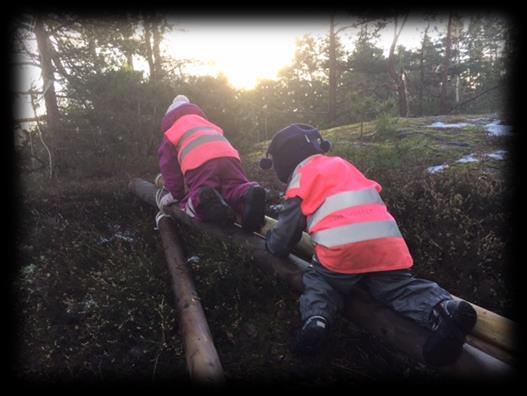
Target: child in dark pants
x=202 y=171
x=356 y=240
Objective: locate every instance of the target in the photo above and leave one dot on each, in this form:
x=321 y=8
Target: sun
x=243 y=55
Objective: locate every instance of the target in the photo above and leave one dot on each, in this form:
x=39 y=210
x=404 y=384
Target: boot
x=455 y=319
x=253 y=216
x=214 y=207
x=312 y=337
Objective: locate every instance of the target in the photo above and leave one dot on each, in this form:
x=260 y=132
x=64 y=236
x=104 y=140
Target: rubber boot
x=253 y=216
x=312 y=337
x=444 y=345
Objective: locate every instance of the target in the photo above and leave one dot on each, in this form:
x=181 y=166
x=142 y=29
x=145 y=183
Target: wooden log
x=201 y=356
x=494 y=333
x=359 y=307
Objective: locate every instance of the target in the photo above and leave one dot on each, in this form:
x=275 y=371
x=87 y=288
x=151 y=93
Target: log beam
x=492 y=333
x=202 y=359
x=359 y=307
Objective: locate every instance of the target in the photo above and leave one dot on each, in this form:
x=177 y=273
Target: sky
x=243 y=51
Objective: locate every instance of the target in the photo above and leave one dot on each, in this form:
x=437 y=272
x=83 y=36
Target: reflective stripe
x=189 y=208
x=343 y=200
x=295 y=180
x=191 y=132
x=356 y=233
x=198 y=142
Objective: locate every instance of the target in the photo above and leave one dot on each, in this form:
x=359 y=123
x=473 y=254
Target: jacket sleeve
x=170 y=169
x=286 y=233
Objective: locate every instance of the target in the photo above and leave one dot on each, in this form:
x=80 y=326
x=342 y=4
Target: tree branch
x=473 y=98
x=26 y=64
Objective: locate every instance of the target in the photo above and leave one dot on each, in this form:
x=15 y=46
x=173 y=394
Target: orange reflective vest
x=197 y=141
x=348 y=222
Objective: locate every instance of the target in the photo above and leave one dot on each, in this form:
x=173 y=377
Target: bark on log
x=359 y=307
x=201 y=356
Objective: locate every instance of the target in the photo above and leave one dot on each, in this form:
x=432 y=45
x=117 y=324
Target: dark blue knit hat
x=292 y=145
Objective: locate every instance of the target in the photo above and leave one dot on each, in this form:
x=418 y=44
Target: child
x=202 y=171
x=355 y=240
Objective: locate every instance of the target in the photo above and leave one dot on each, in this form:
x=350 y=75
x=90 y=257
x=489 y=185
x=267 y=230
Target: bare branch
x=26 y=64
x=342 y=28
x=31 y=119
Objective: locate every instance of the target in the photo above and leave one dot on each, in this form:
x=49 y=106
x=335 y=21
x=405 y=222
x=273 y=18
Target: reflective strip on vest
x=356 y=233
x=191 y=132
x=295 y=180
x=343 y=200
x=198 y=142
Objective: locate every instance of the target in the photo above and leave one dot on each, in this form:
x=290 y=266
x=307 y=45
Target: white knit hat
x=178 y=101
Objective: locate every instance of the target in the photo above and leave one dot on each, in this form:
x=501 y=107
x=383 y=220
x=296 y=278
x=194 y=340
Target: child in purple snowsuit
x=202 y=171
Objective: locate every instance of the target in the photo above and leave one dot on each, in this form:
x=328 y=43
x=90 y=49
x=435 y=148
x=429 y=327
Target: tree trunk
x=332 y=108
x=422 y=71
x=358 y=307
x=398 y=77
x=130 y=60
x=156 y=50
x=50 y=96
x=202 y=358
x=443 y=105
x=148 y=44
x=403 y=95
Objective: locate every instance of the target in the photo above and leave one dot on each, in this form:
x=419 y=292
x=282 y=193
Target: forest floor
x=91 y=292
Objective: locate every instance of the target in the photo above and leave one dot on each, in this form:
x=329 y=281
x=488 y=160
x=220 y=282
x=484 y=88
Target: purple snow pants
x=225 y=175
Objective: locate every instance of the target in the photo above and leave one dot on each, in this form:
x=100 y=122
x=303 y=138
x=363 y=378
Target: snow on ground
x=437 y=168
x=443 y=125
x=497 y=155
x=468 y=158
x=126 y=236
x=493 y=128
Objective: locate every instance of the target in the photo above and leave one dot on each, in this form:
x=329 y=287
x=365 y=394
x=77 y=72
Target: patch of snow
x=89 y=303
x=124 y=236
x=29 y=269
x=437 y=168
x=497 y=155
x=443 y=125
x=193 y=260
x=468 y=158
x=495 y=128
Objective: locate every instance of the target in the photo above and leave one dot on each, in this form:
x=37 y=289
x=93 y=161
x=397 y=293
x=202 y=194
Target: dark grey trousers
x=412 y=297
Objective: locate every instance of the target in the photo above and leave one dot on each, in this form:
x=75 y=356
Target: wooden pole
x=359 y=306
x=202 y=358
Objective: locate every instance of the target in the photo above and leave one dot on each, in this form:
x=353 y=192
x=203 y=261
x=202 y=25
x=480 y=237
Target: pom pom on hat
x=178 y=101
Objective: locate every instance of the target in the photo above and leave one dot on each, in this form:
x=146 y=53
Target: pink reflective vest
x=197 y=141
x=348 y=222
